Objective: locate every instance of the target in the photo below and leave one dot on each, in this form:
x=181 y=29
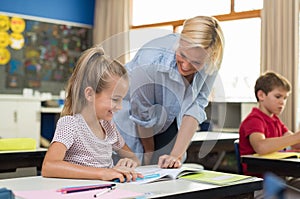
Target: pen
x=106 y=190
x=85 y=188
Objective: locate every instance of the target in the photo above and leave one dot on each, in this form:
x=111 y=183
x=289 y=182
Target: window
x=139 y=37
x=155 y=11
x=298 y=98
x=241 y=62
x=241 y=26
x=244 y=5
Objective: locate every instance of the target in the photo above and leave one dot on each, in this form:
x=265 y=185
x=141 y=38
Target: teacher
x=170 y=80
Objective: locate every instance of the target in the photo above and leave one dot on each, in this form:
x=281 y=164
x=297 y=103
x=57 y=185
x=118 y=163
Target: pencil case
x=6 y=194
x=12 y=144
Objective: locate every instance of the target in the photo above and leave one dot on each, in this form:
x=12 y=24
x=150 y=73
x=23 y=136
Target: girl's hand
x=126 y=162
x=120 y=172
x=168 y=161
x=128 y=174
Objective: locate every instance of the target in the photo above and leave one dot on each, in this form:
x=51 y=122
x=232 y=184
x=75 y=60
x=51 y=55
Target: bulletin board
x=38 y=55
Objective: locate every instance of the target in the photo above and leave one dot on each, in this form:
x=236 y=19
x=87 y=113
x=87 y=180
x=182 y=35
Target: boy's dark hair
x=269 y=81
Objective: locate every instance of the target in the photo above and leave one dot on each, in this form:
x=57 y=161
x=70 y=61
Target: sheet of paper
x=214 y=177
x=51 y=194
x=279 y=155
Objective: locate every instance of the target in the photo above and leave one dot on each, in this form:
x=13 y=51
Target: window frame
x=224 y=17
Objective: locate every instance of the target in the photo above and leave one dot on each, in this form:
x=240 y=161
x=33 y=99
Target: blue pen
x=155 y=175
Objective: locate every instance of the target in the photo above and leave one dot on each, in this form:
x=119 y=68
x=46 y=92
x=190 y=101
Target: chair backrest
x=238 y=156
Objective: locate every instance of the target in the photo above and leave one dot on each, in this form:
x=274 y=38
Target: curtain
x=279 y=50
x=111 y=27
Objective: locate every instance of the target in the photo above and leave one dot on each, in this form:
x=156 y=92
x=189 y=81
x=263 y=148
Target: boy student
x=262 y=131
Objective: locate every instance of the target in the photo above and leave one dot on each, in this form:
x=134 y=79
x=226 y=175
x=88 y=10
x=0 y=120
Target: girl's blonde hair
x=93 y=69
x=205 y=32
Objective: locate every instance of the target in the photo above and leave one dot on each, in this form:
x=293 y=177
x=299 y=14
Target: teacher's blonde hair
x=205 y=32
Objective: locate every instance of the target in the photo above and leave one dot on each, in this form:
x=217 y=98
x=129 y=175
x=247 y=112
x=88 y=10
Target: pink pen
x=85 y=188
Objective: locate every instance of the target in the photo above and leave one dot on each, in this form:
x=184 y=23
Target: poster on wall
x=33 y=52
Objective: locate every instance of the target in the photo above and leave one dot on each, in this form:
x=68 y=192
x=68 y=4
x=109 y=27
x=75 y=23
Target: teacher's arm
x=193 y=116
x=147 y=139
x=185 y=134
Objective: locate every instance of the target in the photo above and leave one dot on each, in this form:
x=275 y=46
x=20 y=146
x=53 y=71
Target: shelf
x=51 y=110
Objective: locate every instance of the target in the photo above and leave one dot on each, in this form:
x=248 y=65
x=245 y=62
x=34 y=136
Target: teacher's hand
x=168 y=161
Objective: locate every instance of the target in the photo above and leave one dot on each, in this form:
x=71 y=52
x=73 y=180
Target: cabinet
x=20 y=117
x=227 y=116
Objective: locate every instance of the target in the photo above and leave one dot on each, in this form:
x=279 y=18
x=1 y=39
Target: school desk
x=12 y=160
x=205 y=142
x=282 y=167
x=163 y=189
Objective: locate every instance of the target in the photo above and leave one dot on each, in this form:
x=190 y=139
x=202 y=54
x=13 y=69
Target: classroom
x=194 y=123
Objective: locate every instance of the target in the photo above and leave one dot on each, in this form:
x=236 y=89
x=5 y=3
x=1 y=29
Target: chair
x=238 y=156
x=207 y=125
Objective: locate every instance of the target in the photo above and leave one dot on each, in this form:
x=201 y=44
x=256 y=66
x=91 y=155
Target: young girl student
x=85 y=137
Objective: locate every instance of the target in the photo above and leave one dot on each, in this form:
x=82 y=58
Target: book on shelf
x=215 y=177
x=279 y=155
x=153 y=173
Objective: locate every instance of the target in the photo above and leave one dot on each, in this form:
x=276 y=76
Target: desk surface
x=209 y=142
x=212 y=135
x=284 y=167
x=51 y=110
x=166 y=189
x=24 y=151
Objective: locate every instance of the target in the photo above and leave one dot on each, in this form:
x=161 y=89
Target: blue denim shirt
x=158 y=93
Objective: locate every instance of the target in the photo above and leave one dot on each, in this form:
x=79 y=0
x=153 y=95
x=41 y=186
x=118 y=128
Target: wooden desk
x=282 y=167
x=205 y=142
x=164 y=189
x=11 y=160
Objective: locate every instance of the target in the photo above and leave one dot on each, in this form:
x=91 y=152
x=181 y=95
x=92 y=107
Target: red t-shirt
x=257 y=121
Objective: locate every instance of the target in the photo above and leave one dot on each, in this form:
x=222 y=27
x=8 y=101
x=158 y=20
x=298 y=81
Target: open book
x=154 y=173
x=279 y=155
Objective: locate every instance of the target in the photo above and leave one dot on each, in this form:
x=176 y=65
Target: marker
x=155 y=175
x=85 y=188
x=106 y=190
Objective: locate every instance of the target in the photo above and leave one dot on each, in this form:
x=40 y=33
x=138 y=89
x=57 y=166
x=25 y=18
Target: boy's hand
x=126 y=162
x=296 y=146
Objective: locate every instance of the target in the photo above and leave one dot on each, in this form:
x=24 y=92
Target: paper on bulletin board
x=50 y=194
